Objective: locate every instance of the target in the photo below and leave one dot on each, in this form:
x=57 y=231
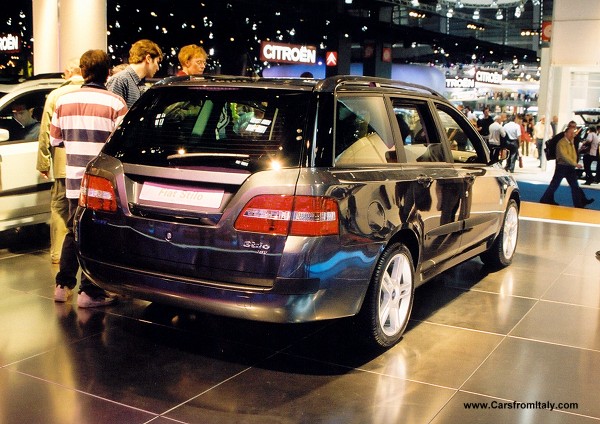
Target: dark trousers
x=568 y=172
x=587 y=166
x=513 y=149
x=69 y=264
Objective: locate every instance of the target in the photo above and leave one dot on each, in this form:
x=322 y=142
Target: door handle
x=425 y=180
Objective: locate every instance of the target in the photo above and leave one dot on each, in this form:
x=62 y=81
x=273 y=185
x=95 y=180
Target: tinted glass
x=419 y=139
x=34 y=101
x=363 y=132
x=464 y=142
x=236 y=128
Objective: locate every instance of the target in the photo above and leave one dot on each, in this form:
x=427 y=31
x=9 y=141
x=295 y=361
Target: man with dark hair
x=483 y=124
x=144 y=60
x=23 y=114
x=81 y=122
x=566 y=164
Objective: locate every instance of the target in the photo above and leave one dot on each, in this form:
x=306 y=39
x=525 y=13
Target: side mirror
x=4 y=135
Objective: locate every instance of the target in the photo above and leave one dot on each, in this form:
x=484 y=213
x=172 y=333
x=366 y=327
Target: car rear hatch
x=205 y=179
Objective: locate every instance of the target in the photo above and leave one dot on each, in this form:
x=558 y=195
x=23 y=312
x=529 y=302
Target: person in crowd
x=469 y=114
x=192 y=59
x=118 y=68
x=23 y=114
x=483 y=123
x=144 y=60
x=566 y=165
x=539 y=131
x=513 y=135
x=525 y=136
x=97 y=110
x=554 y=125
x=497 y=132
x=590 y=154
x=56 y=157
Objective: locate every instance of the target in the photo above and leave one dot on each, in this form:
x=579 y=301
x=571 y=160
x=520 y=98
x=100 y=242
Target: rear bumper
x=290 y=300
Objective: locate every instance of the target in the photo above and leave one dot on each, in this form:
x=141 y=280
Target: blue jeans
x=568 y=172
x=513 y=148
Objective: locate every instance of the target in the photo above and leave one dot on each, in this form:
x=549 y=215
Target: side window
x=421 y=144
x=21 y=117
x=362 y=132
x=466 y=147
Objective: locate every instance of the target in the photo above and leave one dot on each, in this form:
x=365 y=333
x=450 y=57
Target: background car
x=287 y=200
x=589 y=117
x=24 y=193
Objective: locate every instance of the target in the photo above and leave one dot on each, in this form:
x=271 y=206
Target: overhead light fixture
x=414 y=3
x=476 y=14
x=459 y=4
x=494 y=4
x=348 y=1
x=438 y=7
x=499 y=15
x=535 y=2
x=449 y=12
x=517 y=12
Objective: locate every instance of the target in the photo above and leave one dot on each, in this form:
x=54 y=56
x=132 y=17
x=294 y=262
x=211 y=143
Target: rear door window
x=464 y=142
x=363 y=134
x=421 y=141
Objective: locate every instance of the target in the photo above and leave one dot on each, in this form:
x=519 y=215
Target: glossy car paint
x=444 y=213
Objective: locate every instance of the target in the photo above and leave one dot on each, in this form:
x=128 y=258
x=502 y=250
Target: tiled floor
x=529 y=333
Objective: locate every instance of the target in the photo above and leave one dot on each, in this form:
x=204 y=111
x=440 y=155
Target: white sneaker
x=62 y=293
x=86 y=301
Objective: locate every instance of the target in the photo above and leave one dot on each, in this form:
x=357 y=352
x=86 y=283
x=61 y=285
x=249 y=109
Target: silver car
x=287 y=200
x=24 y=193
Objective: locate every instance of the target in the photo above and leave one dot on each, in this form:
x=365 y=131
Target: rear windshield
x=236 y=128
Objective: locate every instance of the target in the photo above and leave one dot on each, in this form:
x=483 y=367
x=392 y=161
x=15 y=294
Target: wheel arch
x=410 y=239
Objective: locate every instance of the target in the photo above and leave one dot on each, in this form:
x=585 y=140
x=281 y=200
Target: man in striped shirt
x=82 y=121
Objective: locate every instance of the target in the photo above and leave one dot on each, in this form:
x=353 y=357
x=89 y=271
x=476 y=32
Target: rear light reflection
x=290 y=215
x=97 y=194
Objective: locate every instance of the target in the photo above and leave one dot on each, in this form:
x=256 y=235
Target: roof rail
x=335 y=82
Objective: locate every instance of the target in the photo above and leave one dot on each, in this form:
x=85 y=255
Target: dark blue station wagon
x=291 y=200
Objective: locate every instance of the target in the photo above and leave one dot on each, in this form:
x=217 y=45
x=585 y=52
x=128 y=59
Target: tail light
x=290 y=215
x=98 y=194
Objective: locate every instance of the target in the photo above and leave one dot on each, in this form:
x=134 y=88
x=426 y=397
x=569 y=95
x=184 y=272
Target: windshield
x=201 y=127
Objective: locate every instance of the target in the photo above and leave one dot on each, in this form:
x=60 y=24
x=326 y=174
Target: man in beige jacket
x=56 y=158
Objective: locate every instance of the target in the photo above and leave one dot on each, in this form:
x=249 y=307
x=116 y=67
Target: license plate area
x=182 y=197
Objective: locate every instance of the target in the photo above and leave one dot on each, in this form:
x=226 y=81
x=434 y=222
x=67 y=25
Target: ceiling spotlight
x=476 y=14
x=414 y=3
x=438 y=7
x=494 y=4
x=459 y=4
x=517 y=12
x=535 y=2
x=449 y=12
x=348 y=1
x=499 y=15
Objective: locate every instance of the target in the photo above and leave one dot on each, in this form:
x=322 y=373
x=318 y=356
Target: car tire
x=502 y=251
x=388 y=303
